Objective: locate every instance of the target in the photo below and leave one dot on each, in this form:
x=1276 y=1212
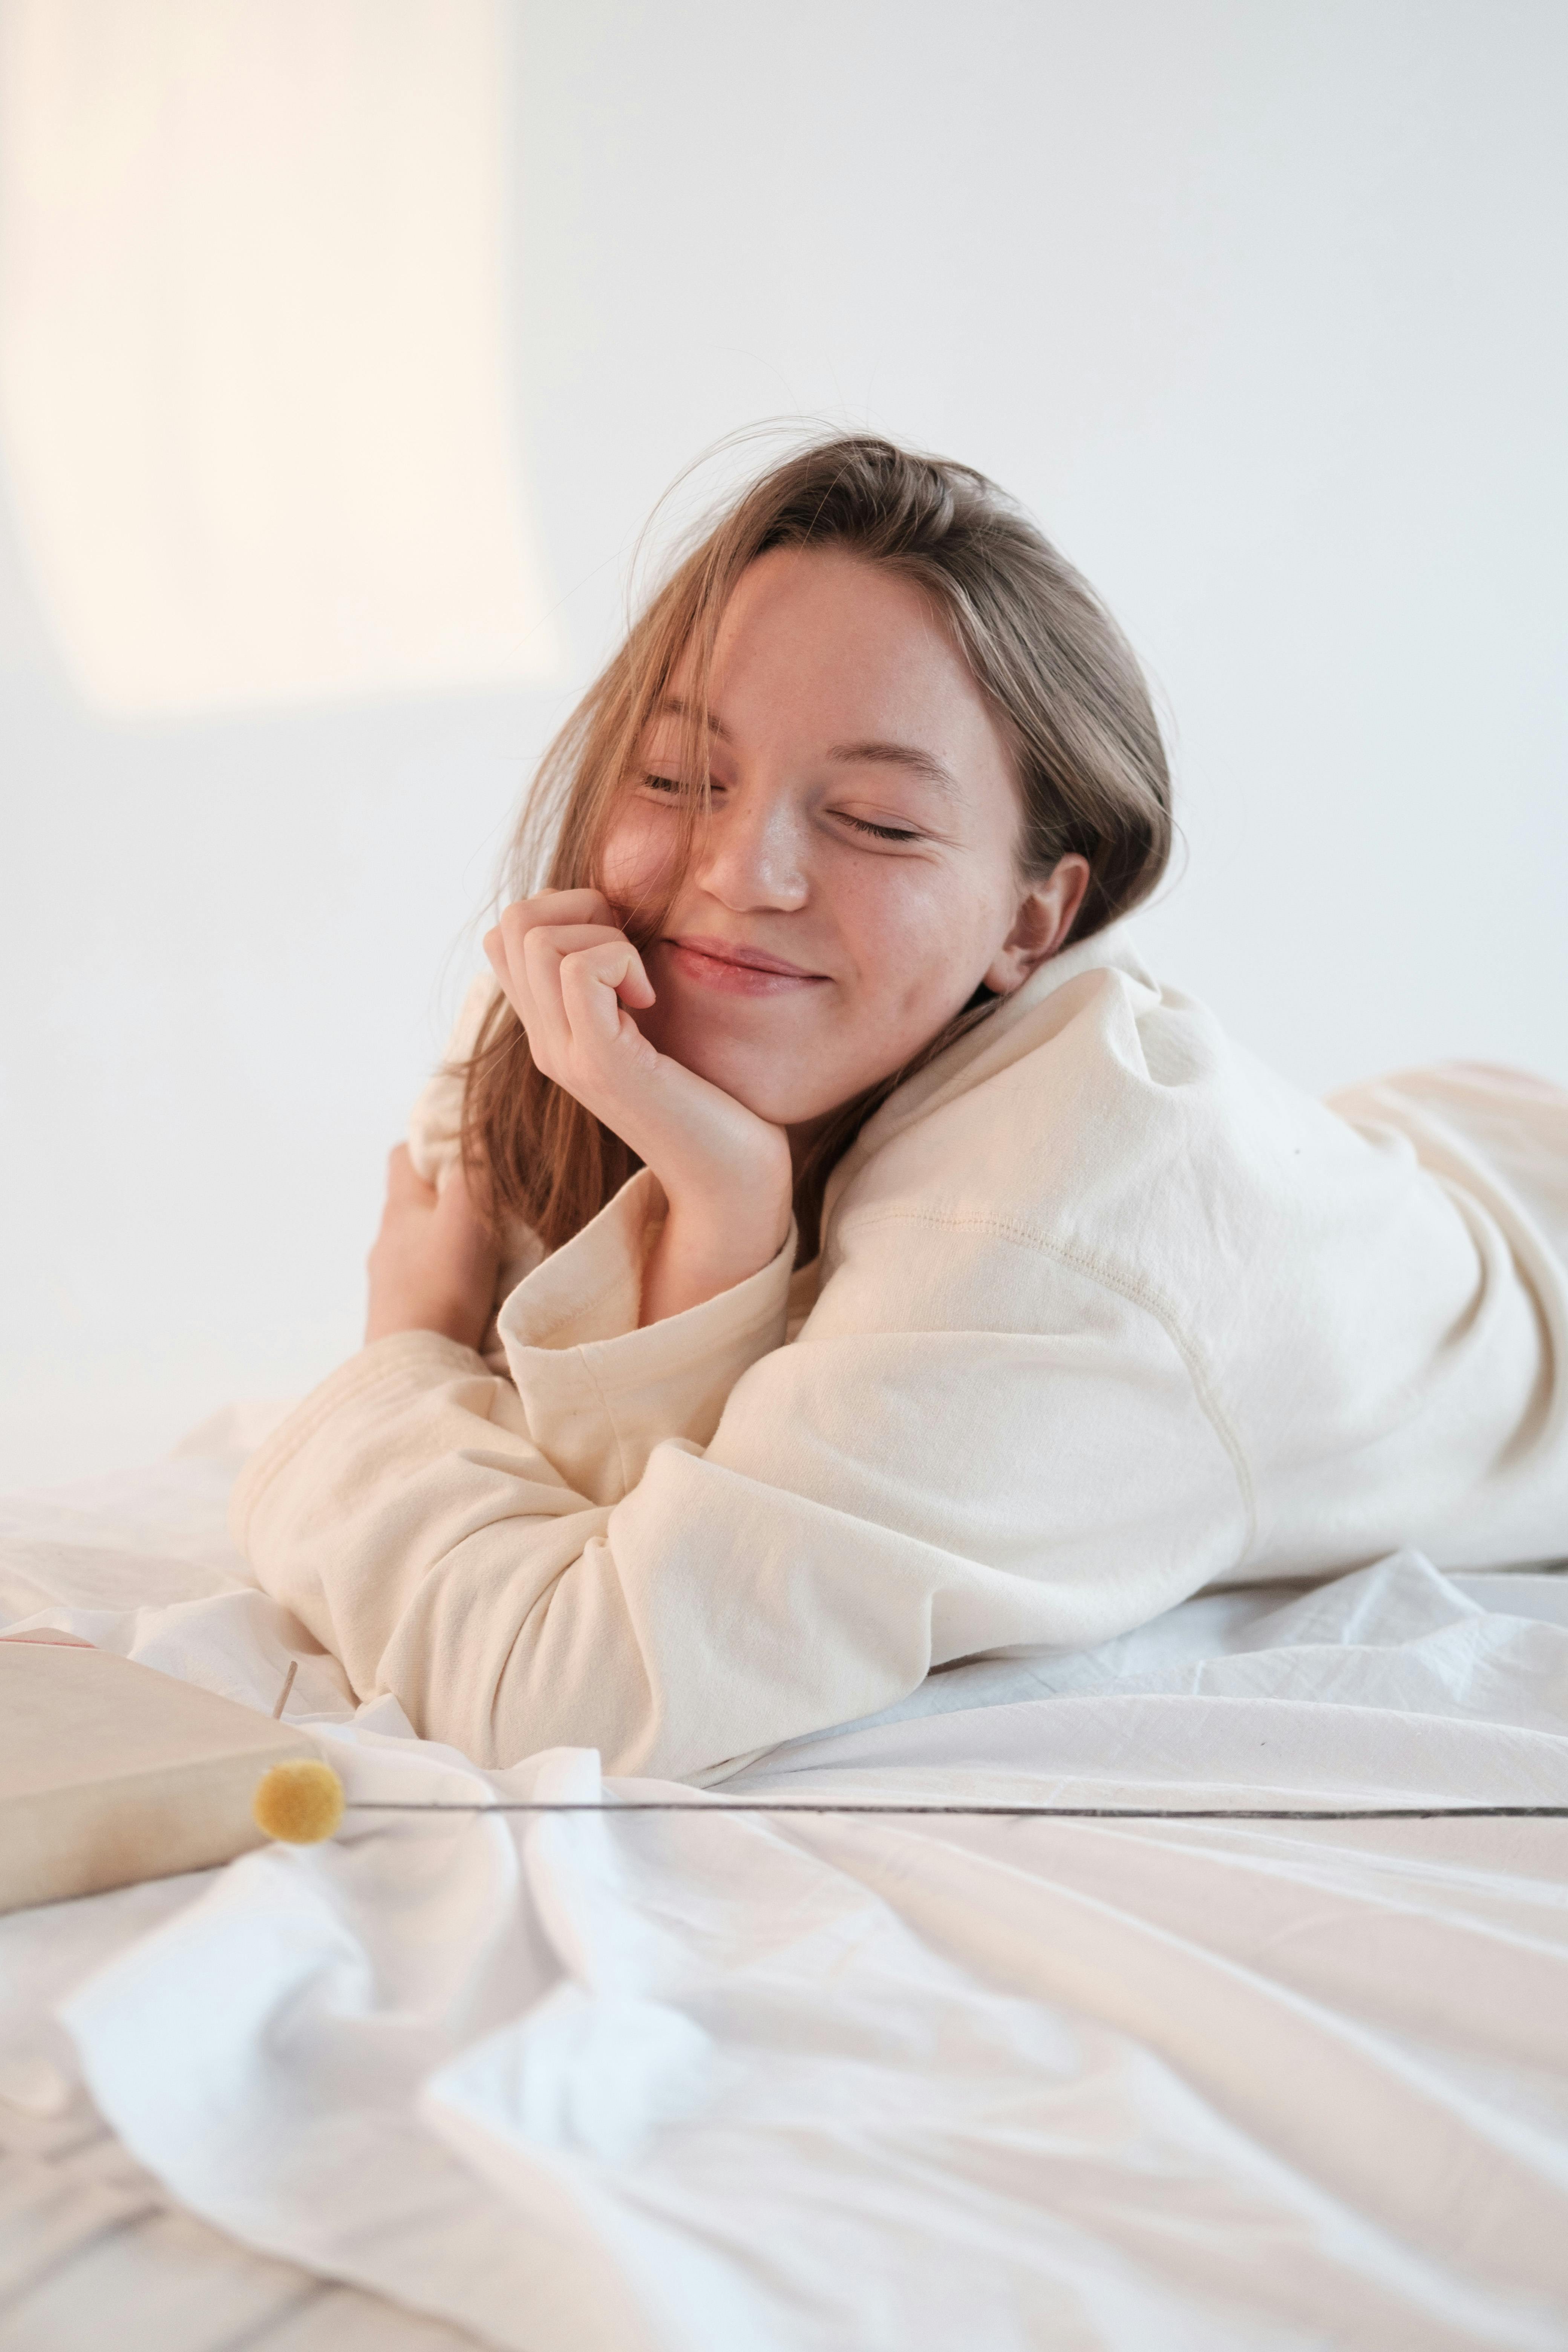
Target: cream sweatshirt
x=1105 y=1313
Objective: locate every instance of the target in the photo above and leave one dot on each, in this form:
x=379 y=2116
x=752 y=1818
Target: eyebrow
x=874 y=752
x=899 y=755
x=672 y=706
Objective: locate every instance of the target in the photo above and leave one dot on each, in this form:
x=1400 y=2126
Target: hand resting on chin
x=575 y=980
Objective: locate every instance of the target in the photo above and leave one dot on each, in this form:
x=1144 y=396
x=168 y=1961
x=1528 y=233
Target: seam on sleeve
x=579 y=1309
x=360 y=1377
x=753 y=1324
x=605 y=1408
x=690 y=1353
x=1138 y=1293
x=756 y=1320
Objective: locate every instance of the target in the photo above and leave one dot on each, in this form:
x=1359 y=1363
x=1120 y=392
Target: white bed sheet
x=707 y=2085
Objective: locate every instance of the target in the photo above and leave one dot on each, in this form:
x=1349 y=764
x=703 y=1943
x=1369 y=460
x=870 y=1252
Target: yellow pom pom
x=300 y=1802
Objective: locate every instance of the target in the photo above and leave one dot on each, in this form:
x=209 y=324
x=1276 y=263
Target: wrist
x=743 y=1229
x=446 y=1319
x=703 y=1250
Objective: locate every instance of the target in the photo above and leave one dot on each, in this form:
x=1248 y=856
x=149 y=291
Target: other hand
x=435 y=1262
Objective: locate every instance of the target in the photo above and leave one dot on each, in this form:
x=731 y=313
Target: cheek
x=922 y=940
x=638 y=856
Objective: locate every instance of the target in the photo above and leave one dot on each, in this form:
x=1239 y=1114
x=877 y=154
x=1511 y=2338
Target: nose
x=755 y=851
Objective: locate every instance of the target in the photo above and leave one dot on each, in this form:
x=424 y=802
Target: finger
x=561 y=939
x=404 y=1185
x=506 y=961
x=506 y=946
x=614 y=967
x=612 y=961
x=595 y=981
x=550 y=909
x=567 y=906
x=565 y=938
x=465 y=1194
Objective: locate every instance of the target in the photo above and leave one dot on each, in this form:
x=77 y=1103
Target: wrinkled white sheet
x=697 y=2085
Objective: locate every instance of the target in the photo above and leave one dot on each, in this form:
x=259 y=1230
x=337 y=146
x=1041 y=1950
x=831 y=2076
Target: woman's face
x=857 y=880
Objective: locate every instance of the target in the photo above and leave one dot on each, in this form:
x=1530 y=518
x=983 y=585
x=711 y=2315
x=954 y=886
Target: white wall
x=1257 y=304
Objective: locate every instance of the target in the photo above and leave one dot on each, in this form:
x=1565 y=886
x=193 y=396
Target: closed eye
x=881 y=832
x=669 y=787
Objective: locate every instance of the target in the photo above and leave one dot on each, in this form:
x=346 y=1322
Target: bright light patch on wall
x=253 y=373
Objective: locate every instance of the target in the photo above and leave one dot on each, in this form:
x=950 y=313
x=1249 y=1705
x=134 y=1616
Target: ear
x=1045 y=914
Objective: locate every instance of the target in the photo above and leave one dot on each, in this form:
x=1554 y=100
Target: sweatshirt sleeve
x=441 y=1528
x=684 y=1543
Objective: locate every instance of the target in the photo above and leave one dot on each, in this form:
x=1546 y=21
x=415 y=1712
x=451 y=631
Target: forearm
x=383 y=1474
x=441 y=1529
x=412 y=1525
x=407 y=1517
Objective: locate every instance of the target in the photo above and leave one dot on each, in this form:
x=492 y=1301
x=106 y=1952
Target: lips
x=730 y=951
x=738 y=970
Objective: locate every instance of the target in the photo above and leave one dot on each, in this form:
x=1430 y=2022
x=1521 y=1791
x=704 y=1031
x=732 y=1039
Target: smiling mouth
x=741 y=971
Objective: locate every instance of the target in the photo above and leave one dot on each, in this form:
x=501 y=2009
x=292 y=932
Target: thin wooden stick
x=981 y=1812
x=287 y=1687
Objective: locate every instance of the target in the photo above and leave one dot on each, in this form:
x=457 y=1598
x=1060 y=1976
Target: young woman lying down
x=889 y=1268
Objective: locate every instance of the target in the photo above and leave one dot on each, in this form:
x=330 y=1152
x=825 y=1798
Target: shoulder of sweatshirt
x=1101 y=1134
x=1112 y=1119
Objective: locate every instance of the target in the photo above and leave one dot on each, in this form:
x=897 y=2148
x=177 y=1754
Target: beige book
x=111 y=1772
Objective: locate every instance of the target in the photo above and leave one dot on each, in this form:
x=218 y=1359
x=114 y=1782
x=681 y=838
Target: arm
x=682 y=1542
x=673 y=1537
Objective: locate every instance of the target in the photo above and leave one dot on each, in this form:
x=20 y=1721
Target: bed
x=678 y=2083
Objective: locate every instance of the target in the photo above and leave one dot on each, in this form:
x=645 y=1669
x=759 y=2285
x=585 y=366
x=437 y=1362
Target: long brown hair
x=1061 y=680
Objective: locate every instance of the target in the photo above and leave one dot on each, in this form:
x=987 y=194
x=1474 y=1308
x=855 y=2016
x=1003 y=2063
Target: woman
x=1102 y=1312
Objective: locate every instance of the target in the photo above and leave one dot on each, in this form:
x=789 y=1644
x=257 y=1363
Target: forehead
x=824 y=648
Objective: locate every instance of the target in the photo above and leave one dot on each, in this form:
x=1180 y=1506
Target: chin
x=781 y=1105
x=767 y=1093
